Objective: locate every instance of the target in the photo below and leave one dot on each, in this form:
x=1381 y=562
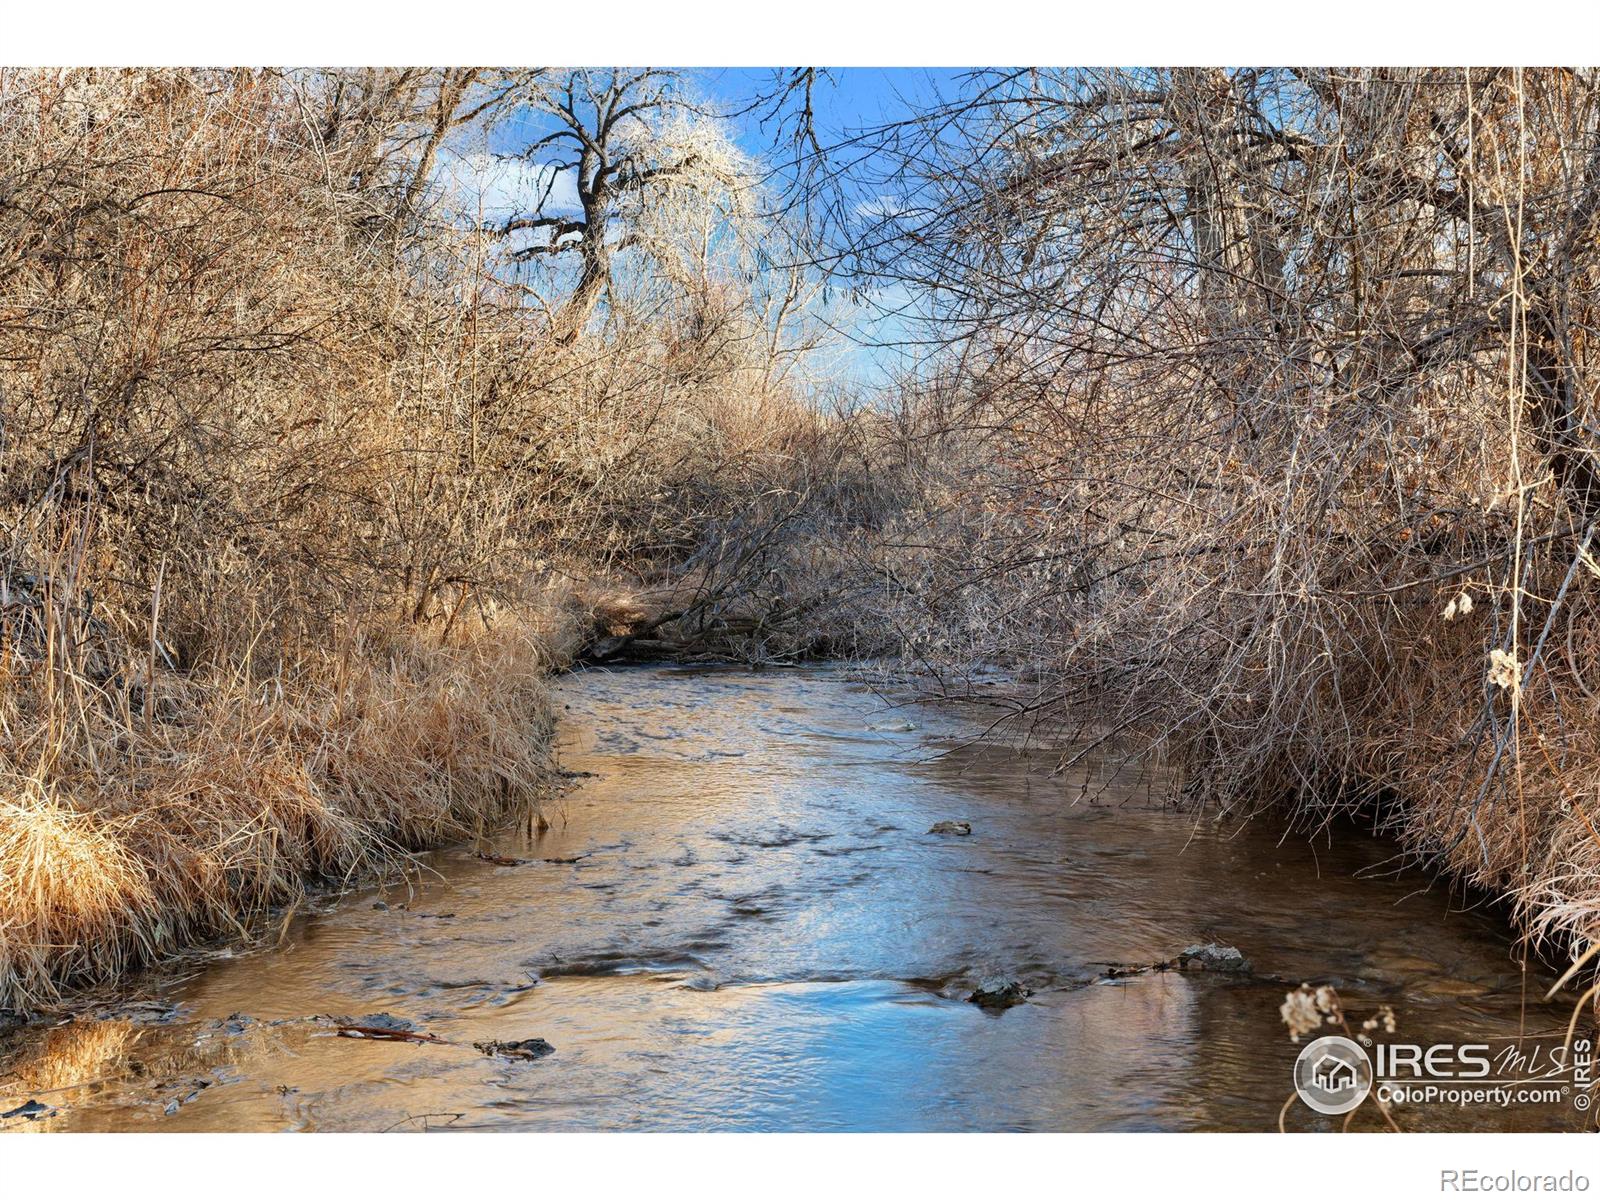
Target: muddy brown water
x=759 y=933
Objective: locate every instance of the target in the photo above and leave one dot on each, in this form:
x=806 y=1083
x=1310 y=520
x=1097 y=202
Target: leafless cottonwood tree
x=622 y=137
x=642 y=209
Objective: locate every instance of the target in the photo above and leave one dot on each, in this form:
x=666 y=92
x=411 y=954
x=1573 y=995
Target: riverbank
x=239 y=799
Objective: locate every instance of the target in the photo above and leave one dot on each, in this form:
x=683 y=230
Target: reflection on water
x=748 y=926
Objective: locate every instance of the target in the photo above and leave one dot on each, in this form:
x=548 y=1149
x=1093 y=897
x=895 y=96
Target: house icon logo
x=1333 y=1075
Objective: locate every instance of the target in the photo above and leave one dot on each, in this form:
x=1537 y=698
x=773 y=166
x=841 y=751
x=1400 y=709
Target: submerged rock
x=382 y=1020
x=31 y=1111
x=998 y=992
x=527 y=1050
x=1212 y=956
x=138 y=1012
x=953 y=828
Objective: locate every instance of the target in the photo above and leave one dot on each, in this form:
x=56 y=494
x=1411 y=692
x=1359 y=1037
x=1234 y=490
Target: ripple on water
x=737 y=921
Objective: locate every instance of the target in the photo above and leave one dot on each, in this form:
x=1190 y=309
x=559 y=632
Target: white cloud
x=492 y=190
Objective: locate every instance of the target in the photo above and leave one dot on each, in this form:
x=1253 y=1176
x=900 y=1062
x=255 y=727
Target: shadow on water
x=740 y=921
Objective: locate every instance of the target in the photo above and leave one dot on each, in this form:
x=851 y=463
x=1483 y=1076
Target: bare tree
x=605 y=136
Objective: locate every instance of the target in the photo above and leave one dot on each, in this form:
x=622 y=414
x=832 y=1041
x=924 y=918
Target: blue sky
x=845 y=101
x=849 y=98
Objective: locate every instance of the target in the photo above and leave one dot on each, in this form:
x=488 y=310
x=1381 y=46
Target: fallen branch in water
x=423 y=1117
x=388 y=1035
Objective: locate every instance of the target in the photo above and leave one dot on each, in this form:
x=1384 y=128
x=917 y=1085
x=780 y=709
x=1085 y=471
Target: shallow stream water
x=739 y=921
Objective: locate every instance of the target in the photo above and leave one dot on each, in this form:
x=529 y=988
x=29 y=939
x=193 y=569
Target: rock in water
x=527 y=1050
x=32 y=1111
x=1213 y=957
x=998 y=993
x=384 y=1021
x=954 y=828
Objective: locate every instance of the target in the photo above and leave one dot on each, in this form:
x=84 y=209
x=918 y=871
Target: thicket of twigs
x=1287 y=384
x=303 y=489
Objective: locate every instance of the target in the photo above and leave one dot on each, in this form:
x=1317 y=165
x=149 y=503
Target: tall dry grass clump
x=75 y=898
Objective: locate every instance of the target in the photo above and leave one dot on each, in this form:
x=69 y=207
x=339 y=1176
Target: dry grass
x=74 y=900
x=200 y=827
